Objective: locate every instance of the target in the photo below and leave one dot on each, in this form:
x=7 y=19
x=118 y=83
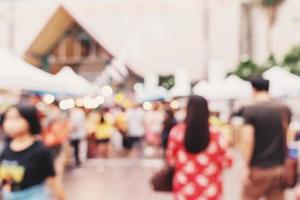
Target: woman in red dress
x=198 y=155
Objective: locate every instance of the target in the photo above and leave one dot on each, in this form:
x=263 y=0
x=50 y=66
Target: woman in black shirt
x=26 y=165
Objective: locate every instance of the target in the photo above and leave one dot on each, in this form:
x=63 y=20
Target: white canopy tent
x=17 y=74
x=73 y=83
x=231 y=88
x=142 y=94
x=237 y=88
x=282 y=82
x=182 y=85
x=206 y=89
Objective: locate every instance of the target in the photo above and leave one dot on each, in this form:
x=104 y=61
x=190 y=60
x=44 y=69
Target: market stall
x=231 y=88
x=17 y=74
x=75 y=84
x=282 y=82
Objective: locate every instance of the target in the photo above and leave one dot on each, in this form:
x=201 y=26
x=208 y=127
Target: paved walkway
x=125 y=179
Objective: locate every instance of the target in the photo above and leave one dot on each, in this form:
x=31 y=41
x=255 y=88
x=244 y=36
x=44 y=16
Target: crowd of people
x=40 y=140
x=199 y=159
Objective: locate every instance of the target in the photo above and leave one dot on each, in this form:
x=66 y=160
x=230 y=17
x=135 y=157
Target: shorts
x=102 y=141
x=130 y=142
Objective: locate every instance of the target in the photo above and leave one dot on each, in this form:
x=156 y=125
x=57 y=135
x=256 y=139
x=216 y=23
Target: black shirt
x=166 y=132
x=26 y=168
x=268 y=119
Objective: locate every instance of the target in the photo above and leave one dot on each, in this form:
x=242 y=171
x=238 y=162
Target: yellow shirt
x=104 y=131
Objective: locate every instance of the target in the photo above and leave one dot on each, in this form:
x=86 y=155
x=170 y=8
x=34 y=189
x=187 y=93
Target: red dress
x=197 y=176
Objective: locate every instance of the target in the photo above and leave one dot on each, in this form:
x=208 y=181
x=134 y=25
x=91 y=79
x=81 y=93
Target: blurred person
x=78 y=132
x=180 y=115
x=264 y=142
x=223 y=127
x=56 y=129
x=55 y=136
x=198 y=155
x=154 y=124
x=103 y=135
x=26 y=166
x=93 y=119
x=30 y=98
x=297 y=136
x=4 y=138
x=136 y=129
x=121 y=125
x=169 y=123
x=121 y=122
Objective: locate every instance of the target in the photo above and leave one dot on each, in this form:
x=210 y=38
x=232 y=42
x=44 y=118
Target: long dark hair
x=169 y=118
x=197 y=125
x=30 y=114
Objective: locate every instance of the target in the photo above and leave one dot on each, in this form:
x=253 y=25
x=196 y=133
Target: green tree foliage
x=271 y=62
x=292 y=60
x=167 y=82
x=248 y=68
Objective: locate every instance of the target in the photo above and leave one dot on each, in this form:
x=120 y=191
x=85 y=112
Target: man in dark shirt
x=264 y=135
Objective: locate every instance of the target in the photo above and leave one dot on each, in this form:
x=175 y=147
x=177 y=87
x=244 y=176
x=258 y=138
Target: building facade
x=151 y=35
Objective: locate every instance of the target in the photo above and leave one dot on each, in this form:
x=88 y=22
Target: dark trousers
x=76 y=149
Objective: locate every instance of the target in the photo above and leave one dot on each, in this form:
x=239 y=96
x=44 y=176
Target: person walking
x=154 y=119
x=26 y=166
x=132 y=143
x=198 y=154
x=104 y=132
x=169 y=123
x=121 y=123
x=78 y=132
x=264 y=142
